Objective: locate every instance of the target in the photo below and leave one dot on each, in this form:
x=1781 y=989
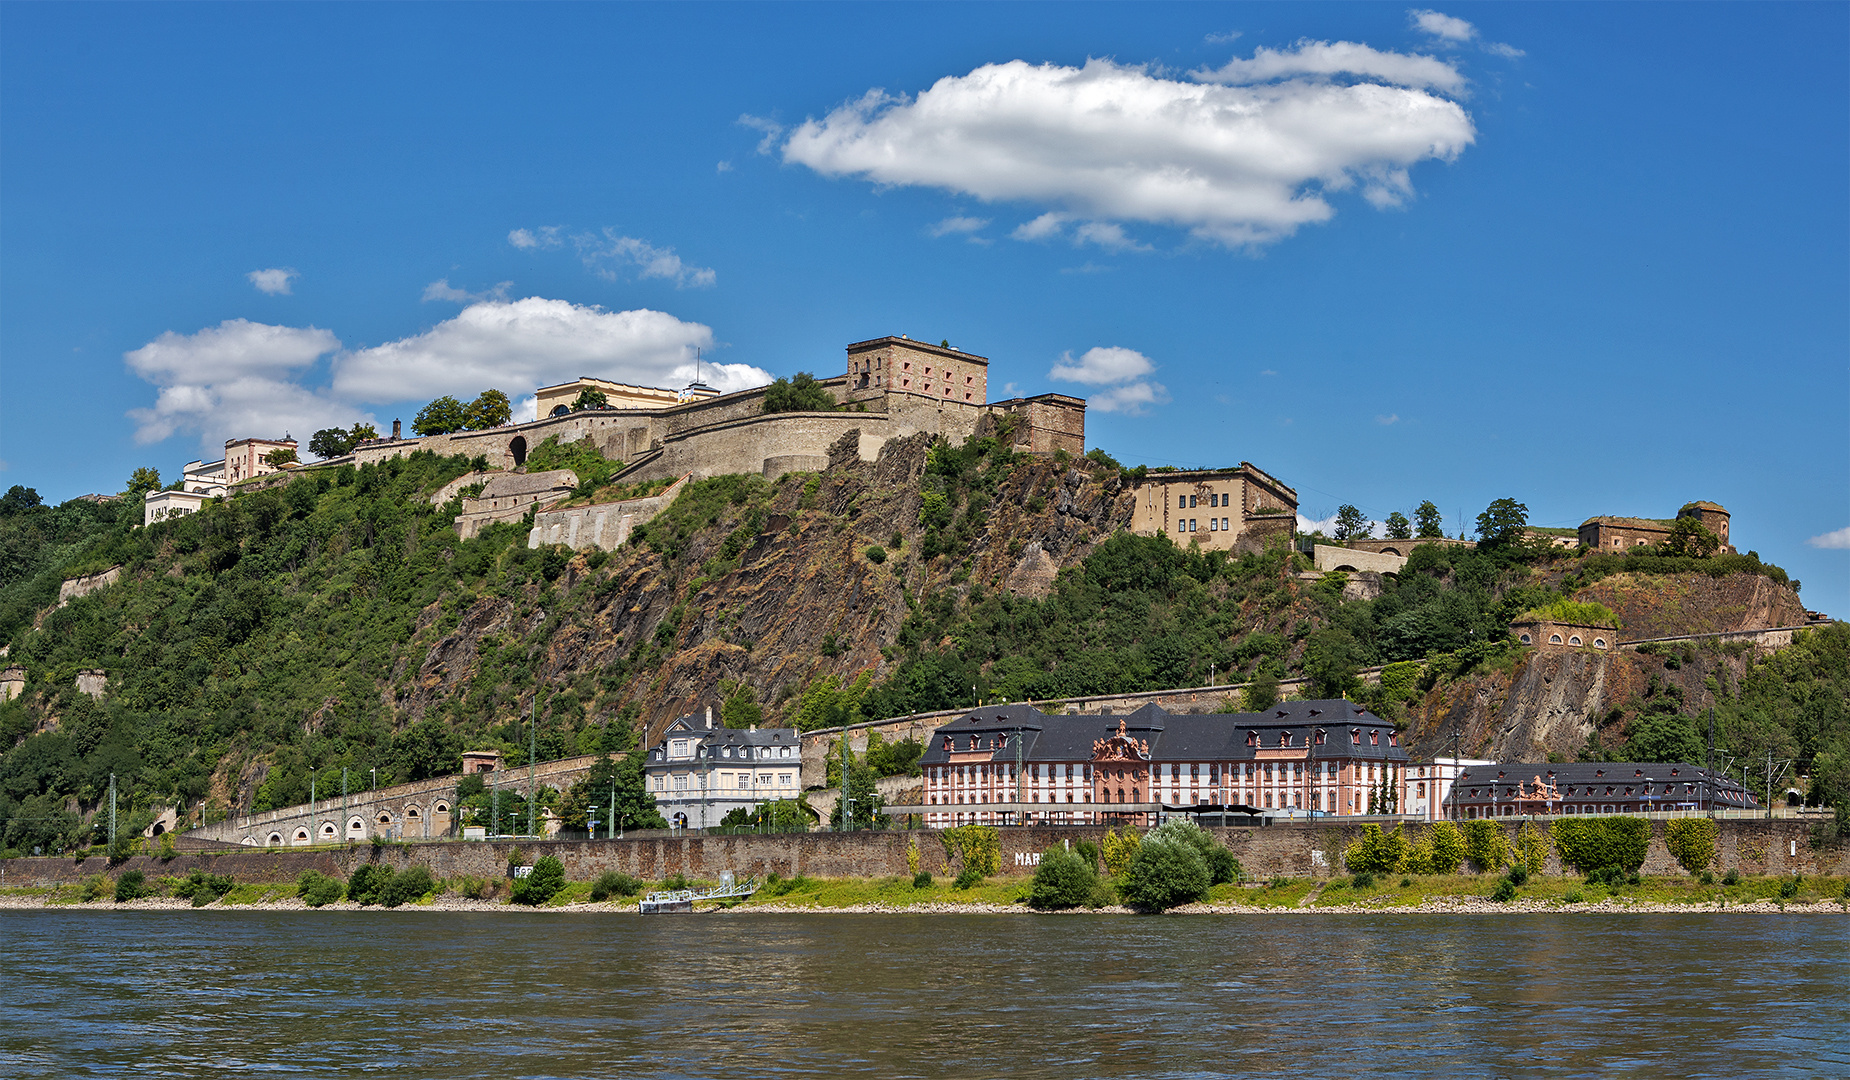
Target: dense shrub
x=1439 y=850
x=1063 y=880
x=542 y=883
x=132 y=885
x=611 y=884
x=203 y=888
x=968 y=879
x=1119 y=851
x=368 y=883
x=922 y=880
x=318 y=890
x=408 y=887
x=1164 y=873
x=1504 y=892
x=1223 y=867
x=94 y=887
x=1531 y=848
x=1378 y=851
x=1486 y=845
x=976 y=847
x=1692 y=842
x=1594 y=843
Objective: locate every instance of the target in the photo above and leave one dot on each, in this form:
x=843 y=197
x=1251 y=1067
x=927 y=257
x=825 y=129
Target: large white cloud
x=242 y=379
x=518 y=344
x=1231 y=161
x=234 y=380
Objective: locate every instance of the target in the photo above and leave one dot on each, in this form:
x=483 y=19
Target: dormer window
x=1284 y=738
x=1252 y=738
x=947 y=744
x=1355 y=736
x=1321 y=735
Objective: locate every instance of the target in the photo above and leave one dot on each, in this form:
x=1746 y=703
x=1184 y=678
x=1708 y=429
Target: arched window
x=1525 y=639
x=1554 y=639
x=1574 y=640
x=1599 y=642
x=275 y=840
x=518 y=448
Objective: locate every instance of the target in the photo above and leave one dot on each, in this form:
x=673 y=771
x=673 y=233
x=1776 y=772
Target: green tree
x=801 y=394
x=440 y=417
x=328 y=443
x=1262 y=691
x=1398 y=527
x=590 y=398
x=1351 y=524
x=1331 y=662
x=1165 y=873
x=1690 y=537
x=739 y=707
x=142 y=481
x=1665 y=737
x=1063 y=880
x=826 y=703
x=1502 y=522
x=1429 y=521
x=280 y=456
x=491 y=408
x=19 y=499
x=542 y=883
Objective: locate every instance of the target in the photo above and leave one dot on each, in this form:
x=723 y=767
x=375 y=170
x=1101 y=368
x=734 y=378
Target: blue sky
x=1594 y=257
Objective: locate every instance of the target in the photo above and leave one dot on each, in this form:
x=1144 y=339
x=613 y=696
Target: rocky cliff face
x=800 y=599
x=1666 y=605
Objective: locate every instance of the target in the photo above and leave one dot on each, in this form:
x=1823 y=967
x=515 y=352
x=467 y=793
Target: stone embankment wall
x=416 y=811
x=1754 y=846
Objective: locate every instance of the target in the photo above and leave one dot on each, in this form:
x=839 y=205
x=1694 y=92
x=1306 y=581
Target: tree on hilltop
x=801 y=394
x=491 y=408
x=1351 y=524
x=440 y=417
x=1429 y=521
x=1502 y=523
x=590 y=398
x=1398 y=527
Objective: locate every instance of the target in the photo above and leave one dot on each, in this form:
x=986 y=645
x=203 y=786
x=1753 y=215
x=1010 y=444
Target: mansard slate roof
x=1576 y=774
x=1173 y=737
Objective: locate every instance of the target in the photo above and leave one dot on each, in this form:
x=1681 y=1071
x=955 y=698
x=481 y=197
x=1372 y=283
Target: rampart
x=1755 y=846
x=599 y=525
x=89 y=583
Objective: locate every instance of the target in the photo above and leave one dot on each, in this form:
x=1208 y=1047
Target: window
x=1181 y=502
x=1574 y=640
x=1192 y=500
x=1213 y=499
x=1181 y=525
x=680 y=783
x=1191 y=524
x=1213 y=525
x=1223 y=525
x=783 y=751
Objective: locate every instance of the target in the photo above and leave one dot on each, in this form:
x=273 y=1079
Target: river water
x=421 y=994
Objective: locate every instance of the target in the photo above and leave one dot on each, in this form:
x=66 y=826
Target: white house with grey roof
x=700 y=771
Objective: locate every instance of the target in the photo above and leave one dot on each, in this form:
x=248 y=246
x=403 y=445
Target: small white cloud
x=1836 y=540
x=531 y=239
x=724 y=167
x=1122 y=370
x=441 y=289
x=1391 y=418
x=1326 y=525
x=1441 y=26
x=1088 y=267
x=274 y=281
x=1102 y=366
x=1041 y=228
x=958 y=224
x=526 y=409
x=1325 y=59
x=604 y=253
x=1508 y=52
x=1107 y=235
x=1268 y=371
x=1227 y=38
x=771 y=129
x=1134 y=398
x=726 y=378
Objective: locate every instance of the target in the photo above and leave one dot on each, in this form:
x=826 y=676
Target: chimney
x=709 y=716
x=395 y=431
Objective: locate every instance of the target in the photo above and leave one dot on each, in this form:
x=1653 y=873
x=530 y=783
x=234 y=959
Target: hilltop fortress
x=893 y=387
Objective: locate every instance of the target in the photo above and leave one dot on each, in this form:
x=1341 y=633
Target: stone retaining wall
x=1756 y=847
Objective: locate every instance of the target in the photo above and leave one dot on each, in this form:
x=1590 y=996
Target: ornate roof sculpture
x=1120 y=747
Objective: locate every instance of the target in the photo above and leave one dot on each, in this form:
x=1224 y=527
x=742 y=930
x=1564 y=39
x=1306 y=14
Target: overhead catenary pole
x=847 y=804
x=112 y=814
x=533 y=742
x=343 y=802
